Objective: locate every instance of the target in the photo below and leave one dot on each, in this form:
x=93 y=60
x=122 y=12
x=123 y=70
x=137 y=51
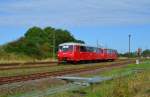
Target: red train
x=76 y=52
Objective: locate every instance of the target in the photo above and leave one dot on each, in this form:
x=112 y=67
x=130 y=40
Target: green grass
x=145 y=65
x=12 y=57
x=134 y=85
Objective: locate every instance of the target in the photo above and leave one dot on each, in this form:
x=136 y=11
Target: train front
x=65 y=53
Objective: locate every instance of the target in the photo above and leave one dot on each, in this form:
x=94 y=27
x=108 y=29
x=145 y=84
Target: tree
x=38 y=43
x=146 y=53
x=61 y=36
x=80 y=41
x=132 y=54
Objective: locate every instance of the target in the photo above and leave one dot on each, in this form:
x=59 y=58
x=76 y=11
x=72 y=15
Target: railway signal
x=139 y=52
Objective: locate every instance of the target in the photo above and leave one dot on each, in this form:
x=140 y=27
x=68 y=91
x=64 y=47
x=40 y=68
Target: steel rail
x=13 y=79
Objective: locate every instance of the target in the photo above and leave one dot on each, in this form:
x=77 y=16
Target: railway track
x=13 y=79
x=10 y=66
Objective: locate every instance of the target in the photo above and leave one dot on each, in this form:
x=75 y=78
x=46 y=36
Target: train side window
x=105 y=51
x=95 y=49
x=98 y=50
x=83 y=49
x=88 y=49
x=109 y=51
x=113 y=51
x=101 y=51
x=66 y=48
x=116 y=52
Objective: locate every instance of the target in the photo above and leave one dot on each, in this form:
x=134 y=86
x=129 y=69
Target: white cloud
x=74 y=12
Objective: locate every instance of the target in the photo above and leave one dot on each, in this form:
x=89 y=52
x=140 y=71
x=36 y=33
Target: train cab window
x=83 y=49
x=60 y=48
x=66 y=48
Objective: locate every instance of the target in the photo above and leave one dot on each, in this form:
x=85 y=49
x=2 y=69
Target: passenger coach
x=75 y=52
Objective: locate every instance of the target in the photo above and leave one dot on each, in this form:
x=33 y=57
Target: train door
x=76 y=53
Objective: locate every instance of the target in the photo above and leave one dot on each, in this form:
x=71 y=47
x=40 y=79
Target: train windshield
x=66 y=48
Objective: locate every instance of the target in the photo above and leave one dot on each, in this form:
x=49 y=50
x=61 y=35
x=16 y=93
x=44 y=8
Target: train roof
x=81 y=44
x=71 y=43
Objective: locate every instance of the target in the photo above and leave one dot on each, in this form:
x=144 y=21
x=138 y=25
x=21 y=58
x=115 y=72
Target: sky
x=107 y=21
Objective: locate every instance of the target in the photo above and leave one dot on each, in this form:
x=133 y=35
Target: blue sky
x=108 y=21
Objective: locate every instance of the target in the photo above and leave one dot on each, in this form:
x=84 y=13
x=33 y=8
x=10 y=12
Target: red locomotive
x=76 y=52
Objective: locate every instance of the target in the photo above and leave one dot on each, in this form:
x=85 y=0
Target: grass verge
x=134 y=85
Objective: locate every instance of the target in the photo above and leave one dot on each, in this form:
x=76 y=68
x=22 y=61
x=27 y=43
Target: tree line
x=145 y=53
x=38 y=43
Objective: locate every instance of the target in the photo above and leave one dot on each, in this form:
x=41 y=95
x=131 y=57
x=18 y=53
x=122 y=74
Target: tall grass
x=14 y=57
x=134 y=85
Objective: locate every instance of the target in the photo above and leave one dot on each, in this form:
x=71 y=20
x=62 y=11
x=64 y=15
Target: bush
x=38 y=43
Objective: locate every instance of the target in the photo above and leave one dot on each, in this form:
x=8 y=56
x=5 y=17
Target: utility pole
x=129 y=45
x=54 y=41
